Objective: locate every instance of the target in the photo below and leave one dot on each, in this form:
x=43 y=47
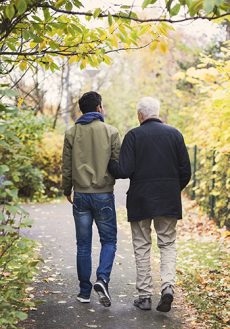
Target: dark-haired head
x=89 y=102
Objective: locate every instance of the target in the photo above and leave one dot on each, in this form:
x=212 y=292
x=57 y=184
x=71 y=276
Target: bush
x=210 y=184
x=18 y=258
x=20 y=131
x=48 y=160
x=18 y=263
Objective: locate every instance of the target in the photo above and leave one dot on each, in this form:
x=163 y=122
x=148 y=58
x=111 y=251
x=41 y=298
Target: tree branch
x=128 y=17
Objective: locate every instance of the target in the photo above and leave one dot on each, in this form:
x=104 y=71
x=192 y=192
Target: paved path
x=57 y=283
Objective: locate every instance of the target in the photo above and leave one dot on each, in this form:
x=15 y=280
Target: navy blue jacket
x=155 y=158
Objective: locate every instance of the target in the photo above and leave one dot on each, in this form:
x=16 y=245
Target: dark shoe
x=144 y=303
x=101 y=288
x=83 y=299
x=166 y=300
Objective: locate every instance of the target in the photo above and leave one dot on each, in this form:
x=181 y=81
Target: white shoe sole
x=104 y=297
x=83 y=300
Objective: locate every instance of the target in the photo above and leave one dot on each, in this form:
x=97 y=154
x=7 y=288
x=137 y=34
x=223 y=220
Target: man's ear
x=140 y=117
x=98 y=108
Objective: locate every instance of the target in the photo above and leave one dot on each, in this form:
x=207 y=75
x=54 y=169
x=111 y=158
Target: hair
x=149 y=107
x=89 y=102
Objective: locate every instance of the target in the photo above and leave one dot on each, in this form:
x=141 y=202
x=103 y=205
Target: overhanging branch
x=135 y=19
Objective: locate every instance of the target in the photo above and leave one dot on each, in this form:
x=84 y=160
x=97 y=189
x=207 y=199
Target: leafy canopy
x=41 y=31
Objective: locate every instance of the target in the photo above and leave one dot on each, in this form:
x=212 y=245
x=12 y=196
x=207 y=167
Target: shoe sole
x=165 y=306
x=104 y=298
x=83 y=300
x=142 y=308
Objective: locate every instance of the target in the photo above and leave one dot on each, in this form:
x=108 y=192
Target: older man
x=155 y=158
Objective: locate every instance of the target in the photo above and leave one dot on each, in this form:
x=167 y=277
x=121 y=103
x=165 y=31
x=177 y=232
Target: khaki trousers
x=165 y=228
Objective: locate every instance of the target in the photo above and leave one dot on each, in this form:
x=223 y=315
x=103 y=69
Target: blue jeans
x=86 y=208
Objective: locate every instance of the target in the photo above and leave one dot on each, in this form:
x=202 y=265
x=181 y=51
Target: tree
x=208 y=115
x=39 y=31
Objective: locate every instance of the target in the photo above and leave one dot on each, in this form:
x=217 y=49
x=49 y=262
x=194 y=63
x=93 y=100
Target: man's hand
x=69 y=198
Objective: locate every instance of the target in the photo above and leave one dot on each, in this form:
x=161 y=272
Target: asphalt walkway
x=57 y=285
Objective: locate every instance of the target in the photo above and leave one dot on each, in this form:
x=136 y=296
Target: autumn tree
x=42 y=31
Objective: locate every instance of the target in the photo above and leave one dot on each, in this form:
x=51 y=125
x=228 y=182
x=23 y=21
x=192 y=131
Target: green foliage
x=32 y=31
x=208 y=114
x=20 y=130
x=49 y=160
x=18 y=261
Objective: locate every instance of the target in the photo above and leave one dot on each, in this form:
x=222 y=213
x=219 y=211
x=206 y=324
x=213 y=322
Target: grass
x=203 y=273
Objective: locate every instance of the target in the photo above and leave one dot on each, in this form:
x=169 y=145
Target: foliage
x=147 y=75
x=17 y=253
x=48 y=160
x=18 y=261
x=20 y=131
x=208 y=114
x=203 y=269
x=33 y=31
x=203 y=266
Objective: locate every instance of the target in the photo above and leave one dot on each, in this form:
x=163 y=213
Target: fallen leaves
x=204 y=268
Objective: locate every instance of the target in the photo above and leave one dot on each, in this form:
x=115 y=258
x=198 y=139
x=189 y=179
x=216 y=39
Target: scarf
x=89 y=117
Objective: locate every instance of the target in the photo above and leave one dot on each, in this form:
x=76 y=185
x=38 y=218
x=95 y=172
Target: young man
x=88 y=147
x=156 y=160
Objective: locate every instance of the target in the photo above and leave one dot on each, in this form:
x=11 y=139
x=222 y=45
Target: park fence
x=210 y=182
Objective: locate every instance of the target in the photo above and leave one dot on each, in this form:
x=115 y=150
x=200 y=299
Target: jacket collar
x=151 y=119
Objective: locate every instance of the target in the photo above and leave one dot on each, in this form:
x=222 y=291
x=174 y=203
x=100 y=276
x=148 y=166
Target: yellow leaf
x=42 y=45
x=33 y=44
x=153 y=45
x=23 y=66
x=163 y=47
x=20 y=101
x=74 y=59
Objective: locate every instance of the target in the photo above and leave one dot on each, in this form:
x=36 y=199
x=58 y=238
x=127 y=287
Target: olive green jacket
x=86 y=153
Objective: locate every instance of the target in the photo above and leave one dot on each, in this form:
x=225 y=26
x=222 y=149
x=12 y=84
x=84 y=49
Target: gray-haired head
x=149 y=107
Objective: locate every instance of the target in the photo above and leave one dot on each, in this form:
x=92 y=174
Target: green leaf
x=148 y=2
x=175 y=10
x=8 y=92
x=78 y=4
x=210 y=4
x=110 y=19
x=3 y=169
x=69 y=6
x=21 y=315
x=10 y=11
x=60 y=3
x=97 y=12
x=195 y=7
x=21 y=6
x=36 y=18
x=46 y=14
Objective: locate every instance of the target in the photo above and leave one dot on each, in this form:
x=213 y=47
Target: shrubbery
x=20 y=131
x=207 y=125
x=48 y=160
x=18 y=263
x=18 y=258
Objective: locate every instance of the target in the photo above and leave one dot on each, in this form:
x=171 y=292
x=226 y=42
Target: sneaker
x=144 y=303
x=83 y=299
x=166 y=300
x=101 y=288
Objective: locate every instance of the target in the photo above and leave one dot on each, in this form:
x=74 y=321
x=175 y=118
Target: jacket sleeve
x=184 y=164
x=124 y=168
x=67 y=167
x=116 y=146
